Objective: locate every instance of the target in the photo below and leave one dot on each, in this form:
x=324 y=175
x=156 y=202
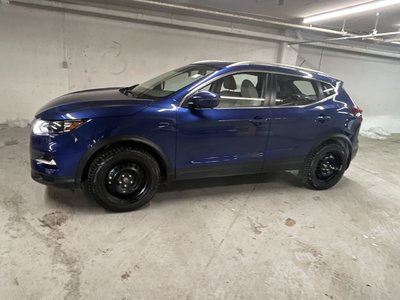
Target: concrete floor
x=251 y=237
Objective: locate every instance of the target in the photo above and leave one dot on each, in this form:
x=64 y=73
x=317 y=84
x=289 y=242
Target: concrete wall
x=372 y=82
x=44 y=54
x=97 y=52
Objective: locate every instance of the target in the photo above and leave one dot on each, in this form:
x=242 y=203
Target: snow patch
x=389 y=123
x=375 y=132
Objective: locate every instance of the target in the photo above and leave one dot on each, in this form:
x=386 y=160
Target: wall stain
x=113 y=60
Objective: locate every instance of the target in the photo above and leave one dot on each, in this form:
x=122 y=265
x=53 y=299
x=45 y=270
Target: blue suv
x=206 y=119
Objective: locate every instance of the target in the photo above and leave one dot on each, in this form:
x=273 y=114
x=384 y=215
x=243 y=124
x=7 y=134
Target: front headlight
x=42 y=127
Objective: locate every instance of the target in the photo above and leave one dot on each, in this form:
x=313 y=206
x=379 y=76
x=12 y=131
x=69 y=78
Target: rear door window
x=295 y=91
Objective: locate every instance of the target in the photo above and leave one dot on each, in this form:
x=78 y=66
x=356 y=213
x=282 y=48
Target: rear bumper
x=354 y=152
x=355 y=143
x=57 y=181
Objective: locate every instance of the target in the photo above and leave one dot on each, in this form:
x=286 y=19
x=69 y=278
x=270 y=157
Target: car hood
x=93 y=103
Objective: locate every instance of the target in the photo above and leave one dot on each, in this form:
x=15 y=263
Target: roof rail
x=208 y=61
x=276 y=65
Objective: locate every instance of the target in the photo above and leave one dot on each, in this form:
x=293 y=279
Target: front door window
x=239 y=90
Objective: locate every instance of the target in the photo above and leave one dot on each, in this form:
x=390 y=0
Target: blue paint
x=195 y=142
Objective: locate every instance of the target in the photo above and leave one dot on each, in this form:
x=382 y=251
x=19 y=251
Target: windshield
x=170 y=82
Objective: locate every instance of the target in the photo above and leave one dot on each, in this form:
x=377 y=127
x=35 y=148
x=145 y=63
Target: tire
x=324 y=167
x=123 y=179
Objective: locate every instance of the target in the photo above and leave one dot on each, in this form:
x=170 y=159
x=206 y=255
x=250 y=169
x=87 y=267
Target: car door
x=230 y=138
x=301 y=113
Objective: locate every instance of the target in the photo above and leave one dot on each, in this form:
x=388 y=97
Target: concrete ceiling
x=295 y=10
x=275 y=15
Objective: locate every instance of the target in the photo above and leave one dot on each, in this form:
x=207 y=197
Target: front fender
x=128 y=140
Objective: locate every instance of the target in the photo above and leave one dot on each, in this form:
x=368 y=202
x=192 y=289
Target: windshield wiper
x=128 y=90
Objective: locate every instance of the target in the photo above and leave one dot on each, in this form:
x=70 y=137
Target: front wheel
x=324 y=167
x=123 y=178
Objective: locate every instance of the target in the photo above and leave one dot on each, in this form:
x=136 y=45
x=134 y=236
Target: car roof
x=270 y=67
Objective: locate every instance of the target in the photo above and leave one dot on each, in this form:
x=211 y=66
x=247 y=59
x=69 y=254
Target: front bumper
x=54 y=158
x=57 y=181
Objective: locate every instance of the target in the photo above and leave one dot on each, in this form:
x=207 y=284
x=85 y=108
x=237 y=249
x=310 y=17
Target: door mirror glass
x=204 y=99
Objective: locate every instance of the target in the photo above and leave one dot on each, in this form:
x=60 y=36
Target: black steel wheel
x=126 y=180
x=324 y=167
x=328 y=166
x=123 y=178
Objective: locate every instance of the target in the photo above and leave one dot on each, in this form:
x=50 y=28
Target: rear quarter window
x=327 y=89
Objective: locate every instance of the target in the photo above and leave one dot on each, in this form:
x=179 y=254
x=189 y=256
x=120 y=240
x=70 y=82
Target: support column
x=288 y=53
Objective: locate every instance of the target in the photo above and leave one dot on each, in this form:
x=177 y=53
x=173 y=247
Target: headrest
x=230 y=83
x=248 y=90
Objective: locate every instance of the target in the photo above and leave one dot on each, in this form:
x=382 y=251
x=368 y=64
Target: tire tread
x=305 y=172
x=99 y=161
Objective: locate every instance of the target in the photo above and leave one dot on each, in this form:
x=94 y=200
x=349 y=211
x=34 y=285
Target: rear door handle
x=258 y=119
x=322 y=118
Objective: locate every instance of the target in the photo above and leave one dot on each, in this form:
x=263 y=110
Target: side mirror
x=204 y=100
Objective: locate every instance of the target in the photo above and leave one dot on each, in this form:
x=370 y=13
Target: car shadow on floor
x=183 y=185
x=81 y=200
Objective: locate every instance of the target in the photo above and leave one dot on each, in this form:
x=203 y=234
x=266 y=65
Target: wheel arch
x=340 y=139
x=140 y=142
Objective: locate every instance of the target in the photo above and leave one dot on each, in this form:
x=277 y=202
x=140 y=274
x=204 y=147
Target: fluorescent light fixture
x=350 y=10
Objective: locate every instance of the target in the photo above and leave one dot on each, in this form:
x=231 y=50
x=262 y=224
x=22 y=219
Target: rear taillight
x=357 y=112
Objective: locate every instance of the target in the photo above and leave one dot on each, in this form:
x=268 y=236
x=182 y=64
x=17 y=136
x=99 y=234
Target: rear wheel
x=324 y=167
x=123 y=178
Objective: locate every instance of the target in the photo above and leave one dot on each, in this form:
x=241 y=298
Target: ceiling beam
x=371 y=36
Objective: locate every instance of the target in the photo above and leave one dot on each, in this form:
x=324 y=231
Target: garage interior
x=242 y=237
